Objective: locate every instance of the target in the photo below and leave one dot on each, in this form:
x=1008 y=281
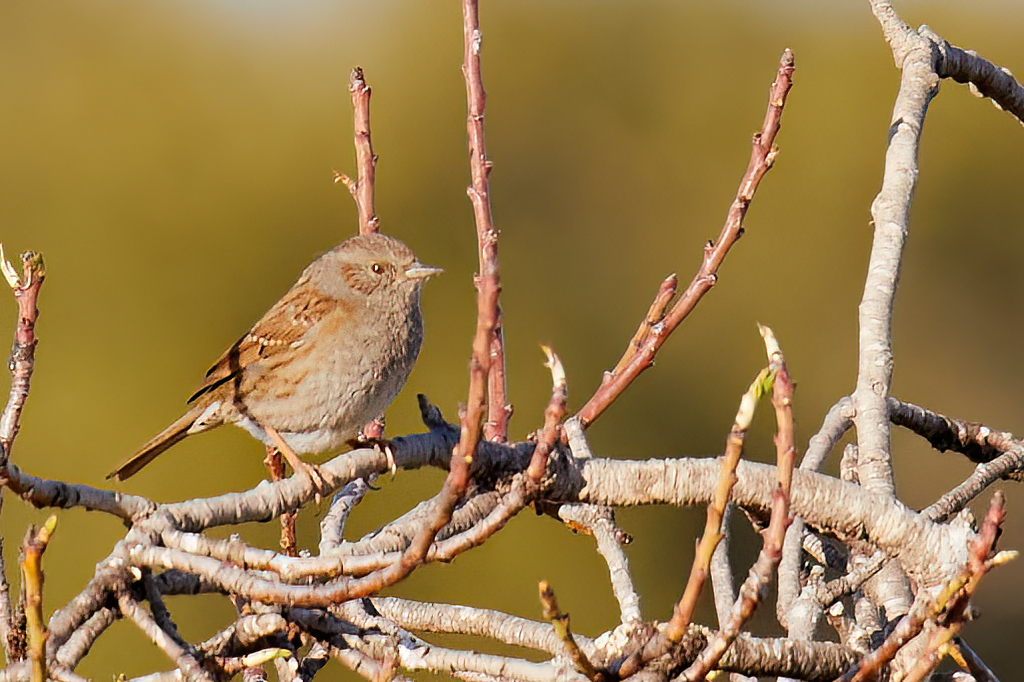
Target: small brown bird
x=328 y=357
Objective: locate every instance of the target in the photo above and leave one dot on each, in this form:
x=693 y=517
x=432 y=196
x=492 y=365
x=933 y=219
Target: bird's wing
x=279 y=332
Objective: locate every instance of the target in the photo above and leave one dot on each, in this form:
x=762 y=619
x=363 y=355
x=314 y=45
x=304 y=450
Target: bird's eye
x=377 y=268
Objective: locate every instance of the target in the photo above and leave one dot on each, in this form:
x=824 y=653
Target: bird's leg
x=275 y=465
x=373 y=434
x=373 y=430
x=298 y=466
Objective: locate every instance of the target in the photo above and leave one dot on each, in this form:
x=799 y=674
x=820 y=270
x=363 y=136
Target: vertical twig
x=363 y=187
x=26 y=292
x=274 y=464
x=890 y=212
x=552 y=416
x=782 y=400
x=490 y=340
x=22 y=362
x=32 y=577
x=488 y=322
x=366 y=160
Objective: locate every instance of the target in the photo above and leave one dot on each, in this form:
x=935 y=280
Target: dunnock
x=325 y=359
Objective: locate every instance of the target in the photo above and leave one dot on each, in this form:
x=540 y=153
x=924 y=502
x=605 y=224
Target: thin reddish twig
x=499 y=410
x=363 y=187
x=762 y=156
x=26 y=292
x=489 y=346
x=656 y=313
x=22 y=363
x=274 y=464
x=552 y=416
x=487 y=325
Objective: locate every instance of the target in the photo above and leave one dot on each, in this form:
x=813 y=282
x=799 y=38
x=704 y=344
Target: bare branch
x=182 y=658
x=366 y=161
x=22 y=363
x=333 y=523
x=975 y=441
x=82 y=639
x=464 y=620
x=488 y=346
x=985 y=78
x=32 y=580
x=42 y=492
x=891 y=215
x=560 y=621
x=762 y=156
x=553 y=414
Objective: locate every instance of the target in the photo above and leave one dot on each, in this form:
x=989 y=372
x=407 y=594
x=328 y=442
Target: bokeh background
x=172 y=160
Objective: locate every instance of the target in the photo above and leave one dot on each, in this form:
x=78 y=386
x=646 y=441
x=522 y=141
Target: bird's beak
x=421 y=271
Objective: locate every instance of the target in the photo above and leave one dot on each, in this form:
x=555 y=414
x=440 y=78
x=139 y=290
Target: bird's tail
x=156 y=446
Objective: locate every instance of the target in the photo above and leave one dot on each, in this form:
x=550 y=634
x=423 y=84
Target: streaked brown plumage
x=328 y=357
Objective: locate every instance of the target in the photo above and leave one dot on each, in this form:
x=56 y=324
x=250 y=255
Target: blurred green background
x=173 y=160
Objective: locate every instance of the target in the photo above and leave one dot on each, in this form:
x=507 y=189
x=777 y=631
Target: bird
x=325 y=359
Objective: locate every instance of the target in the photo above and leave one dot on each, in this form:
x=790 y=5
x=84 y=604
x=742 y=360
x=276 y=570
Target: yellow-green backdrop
x=172 y=159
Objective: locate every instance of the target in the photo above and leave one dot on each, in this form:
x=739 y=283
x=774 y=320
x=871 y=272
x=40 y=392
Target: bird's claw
x=381 y=445
x=316 y=476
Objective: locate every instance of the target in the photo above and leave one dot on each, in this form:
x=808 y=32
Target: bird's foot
x=381 y=444
x=314 y=474
x=299 y=466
